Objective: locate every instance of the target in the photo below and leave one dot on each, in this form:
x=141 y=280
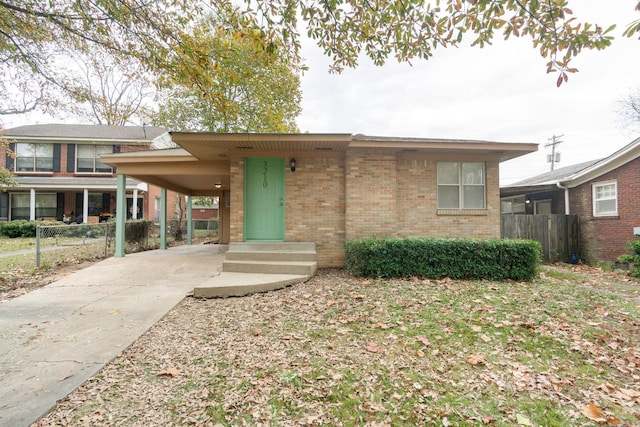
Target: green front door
x=264 y=199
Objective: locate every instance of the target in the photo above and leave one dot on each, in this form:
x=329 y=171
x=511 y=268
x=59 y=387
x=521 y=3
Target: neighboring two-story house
x=60 y=177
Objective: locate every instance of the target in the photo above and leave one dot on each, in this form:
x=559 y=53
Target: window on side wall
x=461 y=185
x=605 y=198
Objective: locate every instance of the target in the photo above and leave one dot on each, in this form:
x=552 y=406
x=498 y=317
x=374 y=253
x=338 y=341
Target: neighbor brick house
x=59 y=174
x=328 y=188
x=604 y=193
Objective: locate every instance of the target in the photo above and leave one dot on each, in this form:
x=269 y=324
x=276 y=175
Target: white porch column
x=134 y=204
x=32 y=204
x=85 y=206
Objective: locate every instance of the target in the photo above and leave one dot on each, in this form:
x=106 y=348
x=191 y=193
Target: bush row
x=491 y=259
x=19 y=228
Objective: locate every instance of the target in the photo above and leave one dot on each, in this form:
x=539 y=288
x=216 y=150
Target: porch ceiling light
x=292 y=164
x=217 y=185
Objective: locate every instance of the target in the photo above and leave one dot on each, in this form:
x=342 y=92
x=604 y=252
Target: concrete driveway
x=56 y=337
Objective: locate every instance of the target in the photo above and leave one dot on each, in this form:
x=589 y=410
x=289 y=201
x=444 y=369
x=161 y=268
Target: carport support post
x=189 y=222
x=121 y=214
x=163 y=218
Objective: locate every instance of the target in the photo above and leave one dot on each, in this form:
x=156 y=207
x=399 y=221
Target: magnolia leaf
x=477 y=359
x=171 y=372
x=424 y=340
x=522 y=420
x=592 y=412
x=373 y=347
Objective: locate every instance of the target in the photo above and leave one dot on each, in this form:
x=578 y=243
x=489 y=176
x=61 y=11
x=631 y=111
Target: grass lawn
x=343 y=351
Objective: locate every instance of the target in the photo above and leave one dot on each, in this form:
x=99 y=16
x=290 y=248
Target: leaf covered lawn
x=344 y=351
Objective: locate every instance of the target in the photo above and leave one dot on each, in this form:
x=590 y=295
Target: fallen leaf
x=116 y=311
x=477 y=359
x=592 y=412
x=522 y=420
x=373 y=347
x=424 y=340
x=171 y=372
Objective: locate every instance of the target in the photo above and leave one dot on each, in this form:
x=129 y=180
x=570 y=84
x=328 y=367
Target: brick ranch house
x=604 y=194
x=60 y=176
x=327 y=188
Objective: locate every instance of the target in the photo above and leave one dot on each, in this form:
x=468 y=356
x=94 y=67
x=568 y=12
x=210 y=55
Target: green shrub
x=19 y=228
x=633 y=258
x=491 y=259
x=136 y=232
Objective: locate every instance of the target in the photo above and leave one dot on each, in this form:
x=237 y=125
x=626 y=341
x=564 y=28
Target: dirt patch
x=19 y=282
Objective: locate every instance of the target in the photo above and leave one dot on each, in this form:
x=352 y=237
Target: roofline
x=250 y=137
x=606 y=165
x=118 y=141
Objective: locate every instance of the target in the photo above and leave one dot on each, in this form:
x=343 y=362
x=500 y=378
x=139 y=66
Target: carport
x=177 y=170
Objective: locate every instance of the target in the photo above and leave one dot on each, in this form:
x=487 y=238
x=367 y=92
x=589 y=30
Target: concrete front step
x=273 y=246
x=264 y=255
x=239 y=284
x=304 y=268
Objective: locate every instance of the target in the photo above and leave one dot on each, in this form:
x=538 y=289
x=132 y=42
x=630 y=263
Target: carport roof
x=202 y=161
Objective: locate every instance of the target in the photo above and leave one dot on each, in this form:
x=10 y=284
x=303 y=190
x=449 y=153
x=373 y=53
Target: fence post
x=106 y=238
x=37 y=246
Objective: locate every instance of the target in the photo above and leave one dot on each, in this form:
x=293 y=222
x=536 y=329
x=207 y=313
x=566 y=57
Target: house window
x=461 y=185
x=46 y=204
x=605 y=199
x=34 y=157
x=513 y=205
x=88 y=158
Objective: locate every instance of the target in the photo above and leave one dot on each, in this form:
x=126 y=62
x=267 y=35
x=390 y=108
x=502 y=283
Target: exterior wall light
x=217 y=185
x=292 y=164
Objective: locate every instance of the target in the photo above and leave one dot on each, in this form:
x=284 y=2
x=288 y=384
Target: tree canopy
x=252 y=90
x=35 y=34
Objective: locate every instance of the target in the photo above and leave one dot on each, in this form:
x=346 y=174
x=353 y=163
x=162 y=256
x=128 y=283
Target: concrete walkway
x=56 y=337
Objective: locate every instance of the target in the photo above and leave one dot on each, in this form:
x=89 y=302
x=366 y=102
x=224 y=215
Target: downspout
x=566 y=197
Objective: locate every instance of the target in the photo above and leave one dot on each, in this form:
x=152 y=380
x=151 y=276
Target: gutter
x=566 y=197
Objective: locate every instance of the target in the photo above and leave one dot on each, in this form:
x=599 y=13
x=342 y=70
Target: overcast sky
x=498 y=93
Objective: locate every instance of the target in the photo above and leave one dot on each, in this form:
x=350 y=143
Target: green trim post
x=163 y=218
x=189 y=222
x=121 y=214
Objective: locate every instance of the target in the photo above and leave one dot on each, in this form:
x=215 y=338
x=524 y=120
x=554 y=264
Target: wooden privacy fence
x=559 y=235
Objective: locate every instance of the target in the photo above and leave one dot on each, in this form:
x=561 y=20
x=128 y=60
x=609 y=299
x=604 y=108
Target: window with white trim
x=461 y=185
x=88 y=158
x=46 y=205
x=34 y=157
x=605 y=198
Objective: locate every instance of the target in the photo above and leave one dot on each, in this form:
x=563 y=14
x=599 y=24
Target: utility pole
x=555 y=140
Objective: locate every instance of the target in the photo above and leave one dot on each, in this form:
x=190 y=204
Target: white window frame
x=594 y=189
x=95 y=159
x=462 y=185
x=35 y=157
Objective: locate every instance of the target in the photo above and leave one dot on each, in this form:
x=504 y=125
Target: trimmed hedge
x=19 y=228
x=491 y=259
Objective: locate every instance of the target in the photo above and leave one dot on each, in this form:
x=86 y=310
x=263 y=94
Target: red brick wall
x=605 y=238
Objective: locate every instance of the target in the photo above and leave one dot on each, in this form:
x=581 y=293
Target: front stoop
x=260 y=267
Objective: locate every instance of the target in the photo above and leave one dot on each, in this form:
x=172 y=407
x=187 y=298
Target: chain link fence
x=68 y=243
